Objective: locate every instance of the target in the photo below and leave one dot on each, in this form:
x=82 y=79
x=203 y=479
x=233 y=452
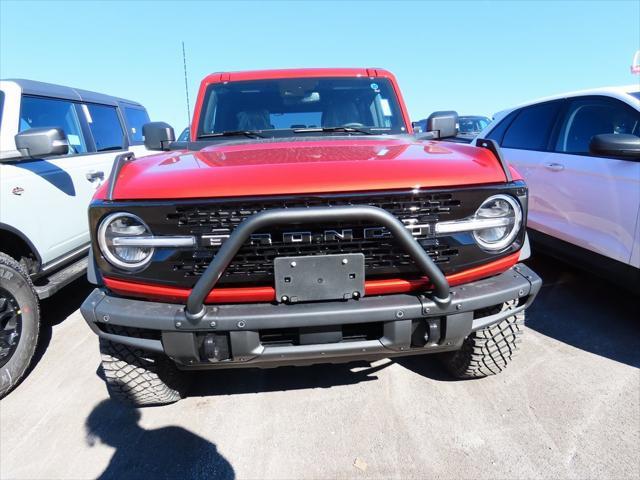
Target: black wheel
x=141 y=378
x=19 y=323
x=487 y=351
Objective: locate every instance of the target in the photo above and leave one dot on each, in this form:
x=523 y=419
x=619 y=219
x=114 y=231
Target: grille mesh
x=255 y=262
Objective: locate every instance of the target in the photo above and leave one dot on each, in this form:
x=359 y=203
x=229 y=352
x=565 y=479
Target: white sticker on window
x=386 y=108
x=85 y=109
x=74 y=140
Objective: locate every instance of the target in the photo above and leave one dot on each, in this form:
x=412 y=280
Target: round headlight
x=506 y=213
x=117 y=236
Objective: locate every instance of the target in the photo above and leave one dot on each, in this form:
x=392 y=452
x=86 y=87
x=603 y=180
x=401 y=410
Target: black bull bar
x=195 y=309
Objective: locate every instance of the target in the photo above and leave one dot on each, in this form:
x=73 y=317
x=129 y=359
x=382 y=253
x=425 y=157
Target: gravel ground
x=568 y=407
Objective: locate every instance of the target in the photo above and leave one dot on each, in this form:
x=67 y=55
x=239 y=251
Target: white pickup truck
x=57 y=145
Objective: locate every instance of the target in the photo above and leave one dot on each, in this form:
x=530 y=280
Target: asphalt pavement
x=567 y=407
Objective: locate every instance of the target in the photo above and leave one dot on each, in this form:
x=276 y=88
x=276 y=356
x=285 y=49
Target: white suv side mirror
x=41 y=142
x=616 y=145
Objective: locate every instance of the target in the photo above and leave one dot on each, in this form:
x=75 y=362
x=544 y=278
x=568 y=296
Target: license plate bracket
x=319 y=277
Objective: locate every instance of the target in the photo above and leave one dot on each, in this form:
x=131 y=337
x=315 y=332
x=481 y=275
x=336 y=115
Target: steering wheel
x=353 y=125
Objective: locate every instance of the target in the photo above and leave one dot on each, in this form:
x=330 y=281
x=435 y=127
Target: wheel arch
x=16 y=244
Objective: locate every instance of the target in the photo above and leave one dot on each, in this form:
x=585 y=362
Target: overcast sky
x=474 y=57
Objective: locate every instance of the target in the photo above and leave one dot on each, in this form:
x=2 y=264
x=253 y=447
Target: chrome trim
x=517 y=224
x=78 y=252
x=470 y=224
x=154 y=242
x=475 y=224
x=104 y=248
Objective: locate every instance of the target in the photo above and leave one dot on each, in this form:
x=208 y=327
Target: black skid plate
x=319 y=277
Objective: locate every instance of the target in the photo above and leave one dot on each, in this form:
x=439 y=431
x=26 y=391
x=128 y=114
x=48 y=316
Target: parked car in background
x=580 y=155
x=468 y=127
x=184 y=136
x=57 y=146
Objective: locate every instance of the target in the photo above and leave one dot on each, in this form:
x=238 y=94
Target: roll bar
x=195 y=303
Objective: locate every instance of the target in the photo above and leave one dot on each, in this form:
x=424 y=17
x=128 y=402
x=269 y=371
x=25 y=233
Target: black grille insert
x=255 y=260
x=253 y=266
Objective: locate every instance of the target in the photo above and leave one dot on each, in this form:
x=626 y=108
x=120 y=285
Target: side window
x=1 y=105
x=105 y=127
x=590 y=116
x=37 y=112
x=135 y=118
x=497 y=132
x=531 y=128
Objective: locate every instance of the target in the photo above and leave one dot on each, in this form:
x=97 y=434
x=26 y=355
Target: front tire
x=19 y=323
x=141 y=378
x=487 y=351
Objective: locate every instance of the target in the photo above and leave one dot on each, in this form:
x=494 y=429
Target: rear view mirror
x=616 y=145
x=42 y=142
x=444 y=123
x=158 y=135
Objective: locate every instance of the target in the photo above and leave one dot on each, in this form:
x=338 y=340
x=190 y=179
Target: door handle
x=554 y=167
x=94 y=175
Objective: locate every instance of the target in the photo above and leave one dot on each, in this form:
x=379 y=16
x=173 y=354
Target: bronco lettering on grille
x=344 y=235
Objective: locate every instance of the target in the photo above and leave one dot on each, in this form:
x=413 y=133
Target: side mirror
x=444 y=124
x=158 y=135
x=42 y=142
x=616 y=145
x=417 y=127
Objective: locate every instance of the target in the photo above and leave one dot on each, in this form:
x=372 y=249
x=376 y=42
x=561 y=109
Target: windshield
x=472 y=124
x=284 y=106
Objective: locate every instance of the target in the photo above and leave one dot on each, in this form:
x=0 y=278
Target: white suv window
x=1 y=105
x=590 y=116
x=37 y=112
x=532 y=126
x=105 y=127
x=135 y=118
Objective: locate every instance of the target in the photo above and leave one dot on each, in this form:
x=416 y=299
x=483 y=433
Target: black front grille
x=255 y=261
x=253 y=265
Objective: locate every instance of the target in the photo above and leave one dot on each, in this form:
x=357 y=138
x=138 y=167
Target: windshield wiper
x=333 y=129
x=233 y=133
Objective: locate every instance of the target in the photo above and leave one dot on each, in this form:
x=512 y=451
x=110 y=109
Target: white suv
x=57 y=145
x=580 y=156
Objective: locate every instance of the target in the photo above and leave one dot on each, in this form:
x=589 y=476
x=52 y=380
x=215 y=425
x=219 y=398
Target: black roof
x=32 y=87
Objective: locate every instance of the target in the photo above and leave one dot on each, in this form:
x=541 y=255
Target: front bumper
x=320 y=332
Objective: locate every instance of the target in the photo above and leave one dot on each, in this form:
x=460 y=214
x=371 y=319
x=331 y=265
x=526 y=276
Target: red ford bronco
x=304 y=222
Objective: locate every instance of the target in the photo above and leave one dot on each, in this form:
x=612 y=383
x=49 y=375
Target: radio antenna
x=186 y=84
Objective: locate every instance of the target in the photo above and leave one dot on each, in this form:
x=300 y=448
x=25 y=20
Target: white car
x=580 y=156
x=57 y=146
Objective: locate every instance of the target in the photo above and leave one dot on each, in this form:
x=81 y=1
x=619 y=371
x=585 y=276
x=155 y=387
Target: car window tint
x=135 y=118
x=1 y=105
x=184 y=136
x=497 y=132
x=105 y=127
x=590 y=116
x=36 y=112
x=531 y=128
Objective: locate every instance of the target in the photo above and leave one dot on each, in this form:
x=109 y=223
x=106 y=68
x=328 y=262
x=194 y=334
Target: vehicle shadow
x=167 y=452
x=255 y=380
x=54 y=310
x=585 y=311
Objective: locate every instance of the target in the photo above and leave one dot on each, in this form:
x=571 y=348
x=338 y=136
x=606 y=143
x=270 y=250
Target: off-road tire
x=487 y=351
x=15 y=280
x=141 y=378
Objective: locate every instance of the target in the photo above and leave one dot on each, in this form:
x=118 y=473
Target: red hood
x=305 y=166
